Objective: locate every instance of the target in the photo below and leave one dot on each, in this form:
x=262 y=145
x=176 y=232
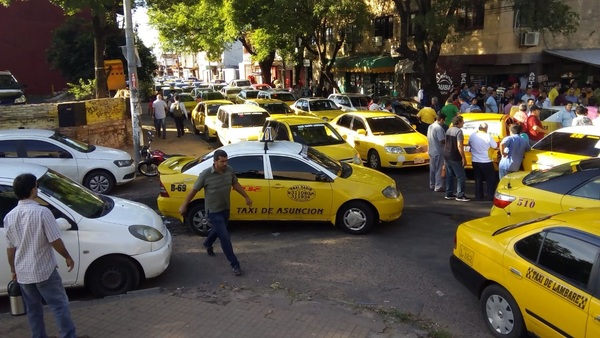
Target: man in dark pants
x=454 y=156
x=32 y=236
x=217 y=182
x=480 y=143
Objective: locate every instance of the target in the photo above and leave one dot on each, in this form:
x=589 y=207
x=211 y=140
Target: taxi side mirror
x=322 y=177
x=63 y=224
x=361 y=132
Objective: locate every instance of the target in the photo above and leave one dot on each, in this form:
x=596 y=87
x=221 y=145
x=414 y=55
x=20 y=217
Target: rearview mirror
x=361 y=132
x=63 y=224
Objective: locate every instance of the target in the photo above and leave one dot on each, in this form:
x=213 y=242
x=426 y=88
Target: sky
x=148 y=34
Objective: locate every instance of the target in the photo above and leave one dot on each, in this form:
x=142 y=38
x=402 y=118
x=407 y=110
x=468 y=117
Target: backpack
x=177 y=112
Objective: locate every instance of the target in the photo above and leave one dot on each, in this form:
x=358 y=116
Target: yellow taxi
x=189 y=101
x=313 y=132
x=286 y=181
x=318 y=107
x=533 y=273
x=383 y=139
x=204 y=118
x=563 y=145
x=282 y=95
x=565 y=187
x=274 y=107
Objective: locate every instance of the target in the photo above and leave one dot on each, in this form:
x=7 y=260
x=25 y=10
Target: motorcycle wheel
x=148 y=169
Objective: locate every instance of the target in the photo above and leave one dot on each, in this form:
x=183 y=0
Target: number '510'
x=525 y=202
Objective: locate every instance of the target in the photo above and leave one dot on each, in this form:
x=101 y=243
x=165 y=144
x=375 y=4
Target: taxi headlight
x=145 y=233
x=394 y=149
x=390 y=192
x=356 y=159
x=123 y=163
x=20 y=99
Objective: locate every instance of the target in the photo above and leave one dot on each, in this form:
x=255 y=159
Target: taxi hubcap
x=499 y=314
x=201 y=222
x=355 y=219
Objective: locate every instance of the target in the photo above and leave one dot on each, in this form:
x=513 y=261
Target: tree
x=434 y=22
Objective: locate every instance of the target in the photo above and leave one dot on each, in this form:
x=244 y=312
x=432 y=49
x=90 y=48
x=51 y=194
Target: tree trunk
x=265 y=68
x=99 y=47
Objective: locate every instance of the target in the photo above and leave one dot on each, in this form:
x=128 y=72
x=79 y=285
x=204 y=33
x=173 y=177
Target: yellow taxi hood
x=402 y=139
x=173 y=165
x=364 y=175
x=340 y=152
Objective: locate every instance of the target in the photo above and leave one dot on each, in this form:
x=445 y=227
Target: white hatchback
x=239 y=122
x=115 y=243
x=97 y=168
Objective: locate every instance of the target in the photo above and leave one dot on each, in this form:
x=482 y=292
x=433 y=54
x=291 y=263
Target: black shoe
x=210 y=251
x=451 y=197
x=237 y=271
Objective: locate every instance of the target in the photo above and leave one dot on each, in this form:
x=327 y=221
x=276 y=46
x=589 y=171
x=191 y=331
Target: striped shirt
x=30 y=228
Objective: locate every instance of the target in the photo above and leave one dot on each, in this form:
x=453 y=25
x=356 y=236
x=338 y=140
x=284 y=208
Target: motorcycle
x=151 y=159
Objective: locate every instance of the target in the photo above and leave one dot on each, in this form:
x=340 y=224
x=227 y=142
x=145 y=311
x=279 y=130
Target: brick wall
x=107 y=121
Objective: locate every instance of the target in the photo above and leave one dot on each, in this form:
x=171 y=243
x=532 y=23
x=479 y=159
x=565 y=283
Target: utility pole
x=133 y=81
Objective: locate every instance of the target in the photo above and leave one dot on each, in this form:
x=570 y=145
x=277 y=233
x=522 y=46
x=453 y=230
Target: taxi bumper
x=156 y=262
x=404 y=160
x=389 y=209
x=465 y=274
x=169 y=207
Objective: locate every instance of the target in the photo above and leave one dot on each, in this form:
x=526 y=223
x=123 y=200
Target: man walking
x=480 y=143
x=454 y=156
x=160 y=113
x=31 y=235
x=436 y=137
x=217 y=182
x=179 y=112
x=512 y=149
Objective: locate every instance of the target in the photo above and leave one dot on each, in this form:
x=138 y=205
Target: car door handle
x=277 y=186
x=516 y=272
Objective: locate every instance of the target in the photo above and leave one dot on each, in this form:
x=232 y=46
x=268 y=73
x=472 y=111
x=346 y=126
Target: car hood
x=105 y=153
x=410 y=139
x=173 y=165
x=339 y=152
x=122 y=211
x=363 y=175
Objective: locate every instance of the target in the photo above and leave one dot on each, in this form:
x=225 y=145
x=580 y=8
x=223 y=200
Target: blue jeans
x=53 y=292
x=159 y=125
x=455 y=169
x=219 y=221
x=435 y=171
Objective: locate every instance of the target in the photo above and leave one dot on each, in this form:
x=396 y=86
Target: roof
x=27 y=132
x=312 y=99
x=296 y=119
x=259 y=101
x=12 y=170
x=277 y=147
x=243 y=108
x=482 y=117
x=349 y=95
x=589 y=56
x=370 y=113
x=223 y=101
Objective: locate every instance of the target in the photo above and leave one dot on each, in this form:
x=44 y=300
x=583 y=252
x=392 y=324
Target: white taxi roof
x=587 y=130
x=27 y=132
x=242 y=108
x=11 y=170
x=276 y=147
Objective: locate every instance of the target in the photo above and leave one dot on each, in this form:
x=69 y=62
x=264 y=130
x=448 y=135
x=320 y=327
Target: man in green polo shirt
x=217 y=182
x=449 y=110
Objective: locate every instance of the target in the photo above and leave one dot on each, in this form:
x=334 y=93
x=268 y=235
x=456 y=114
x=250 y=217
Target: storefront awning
x=589 y=56
x=368 y=64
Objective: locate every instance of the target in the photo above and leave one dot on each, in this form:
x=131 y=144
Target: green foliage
x=83 y=90
x=71 y=50
x=553 y=16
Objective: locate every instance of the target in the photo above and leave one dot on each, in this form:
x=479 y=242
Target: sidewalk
x=193 y=313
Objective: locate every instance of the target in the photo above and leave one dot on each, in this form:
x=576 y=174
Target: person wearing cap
x=480 y=144
x=535 y=131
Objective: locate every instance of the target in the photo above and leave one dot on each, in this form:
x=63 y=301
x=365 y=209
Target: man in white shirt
x=374 y=104
x=491 y=105
x=528 y=95
x=436 y=137
x=480 y=143
x=159 y=111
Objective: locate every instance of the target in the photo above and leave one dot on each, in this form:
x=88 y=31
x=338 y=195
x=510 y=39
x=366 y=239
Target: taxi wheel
x=501 y=313
x=112 y=275
x=198 y=220
x=373 y=160
x=355 y=218
x=99 y=181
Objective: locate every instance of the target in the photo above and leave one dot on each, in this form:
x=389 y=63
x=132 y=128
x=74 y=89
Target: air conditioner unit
x=378 y=41
x=530 y=39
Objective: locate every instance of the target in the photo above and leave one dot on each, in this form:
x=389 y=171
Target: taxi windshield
x=243 y=120
x=570 y=143
x=539 y=176
x=71 y=194
x=388 y=125
x=359 y=101
x=322 y=105
x=213 y=108
x=323 y=160
x=319 y=134
x=276 y=108
x=77 y=145
x=283 y=96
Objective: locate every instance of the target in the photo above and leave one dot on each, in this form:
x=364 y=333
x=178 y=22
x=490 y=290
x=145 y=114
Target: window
x=590 y=189
x=41 y=149
x=8 y=200
x=245 y=120
x=578 y=144
x=287 y=168
x=358 y=124
x=388 y=125
x=248 y=166
x=384 y=27
x=470 y=15
x=8 y=149
x=526 y=14
x=345 y=121
x=529 y=247
x=411 y=24
x=569 y=257
x=352 y=34
x=304 y=105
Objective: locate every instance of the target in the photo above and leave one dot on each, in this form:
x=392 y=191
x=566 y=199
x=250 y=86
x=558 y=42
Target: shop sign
x=444 y=82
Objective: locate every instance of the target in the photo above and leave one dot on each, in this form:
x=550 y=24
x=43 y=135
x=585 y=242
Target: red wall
x=25 y=34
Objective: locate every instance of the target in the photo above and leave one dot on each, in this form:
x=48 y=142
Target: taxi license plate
x=419 y=160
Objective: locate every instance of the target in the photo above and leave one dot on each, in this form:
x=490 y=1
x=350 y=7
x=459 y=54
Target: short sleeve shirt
x=533 y=120
x=435 y=135
x=30 y=228
x=517 y=146
x=453 y=136
x=449 y=110
x=217 y=188
x=427 y=115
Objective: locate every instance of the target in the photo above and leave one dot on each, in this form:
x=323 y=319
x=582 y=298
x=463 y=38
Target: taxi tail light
x=502 y=200
x=163 y=191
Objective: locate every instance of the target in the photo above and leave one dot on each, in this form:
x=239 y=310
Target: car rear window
x=571 y=143
x=387 y=125
x=253 y=119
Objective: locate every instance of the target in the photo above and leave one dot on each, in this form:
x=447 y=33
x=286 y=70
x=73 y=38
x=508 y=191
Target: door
x=295 y=192
x=250 y=171
x=52 y=156
x=359 y=130
x=9 y=153
x=585 y=196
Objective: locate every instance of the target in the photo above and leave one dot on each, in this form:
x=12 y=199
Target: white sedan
x=98 y=168
x=115 y=243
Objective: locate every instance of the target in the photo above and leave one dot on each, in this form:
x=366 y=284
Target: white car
x=239 y=122
x=97 y=168
x=115 y=243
